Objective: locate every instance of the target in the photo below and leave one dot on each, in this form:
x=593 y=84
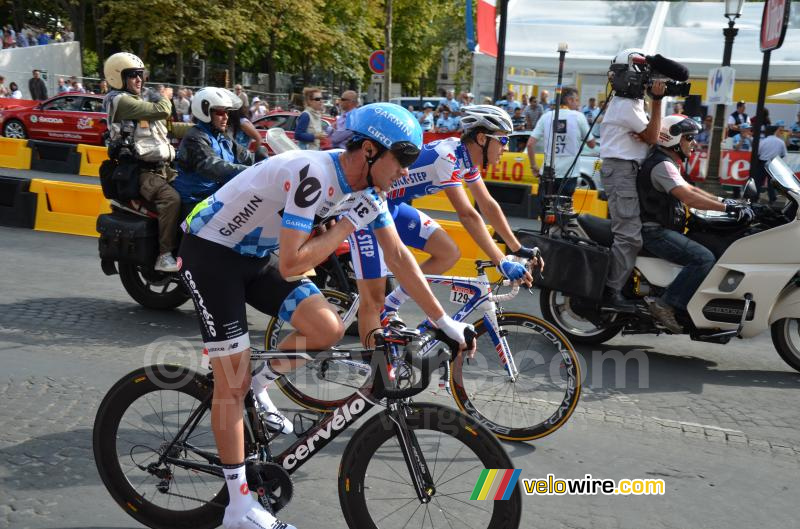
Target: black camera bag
x=128 y=238
x=576 y=268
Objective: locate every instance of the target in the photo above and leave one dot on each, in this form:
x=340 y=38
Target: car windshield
x=783 y=174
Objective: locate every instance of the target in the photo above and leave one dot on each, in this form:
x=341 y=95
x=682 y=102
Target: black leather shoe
x=614 y=300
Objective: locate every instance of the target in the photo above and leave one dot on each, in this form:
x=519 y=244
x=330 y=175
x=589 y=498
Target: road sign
x=773 y=24
x=720 y=85
x=377 y=78
x=377 y=61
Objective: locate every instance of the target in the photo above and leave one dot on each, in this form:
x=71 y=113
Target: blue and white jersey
x=441 y=164
x=292 y=190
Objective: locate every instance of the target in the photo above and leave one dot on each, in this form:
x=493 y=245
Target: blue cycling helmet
x=390 y=126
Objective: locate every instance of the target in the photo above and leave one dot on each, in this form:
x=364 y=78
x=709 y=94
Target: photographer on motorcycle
x=663 y=198
x=207 y=157
x=141 y=127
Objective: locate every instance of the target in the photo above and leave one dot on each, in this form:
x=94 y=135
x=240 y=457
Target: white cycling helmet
x=488 y=117
x=209 y=98
x=116 y=65
x=673 y=127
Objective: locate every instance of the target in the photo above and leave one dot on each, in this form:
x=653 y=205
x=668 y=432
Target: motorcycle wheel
x=150 y=289
x=556 y=309
x=786 y=339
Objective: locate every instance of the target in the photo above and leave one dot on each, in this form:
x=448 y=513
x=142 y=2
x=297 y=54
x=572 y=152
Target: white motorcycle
x=754 y=285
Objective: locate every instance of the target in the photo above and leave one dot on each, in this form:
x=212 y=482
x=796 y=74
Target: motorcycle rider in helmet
x=663 y=197
x=129 y=115
x=207 y=157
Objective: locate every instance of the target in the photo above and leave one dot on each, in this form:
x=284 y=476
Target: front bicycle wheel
x=135 y=424
x=375 y=489
x=536 y=402
x=324 y=385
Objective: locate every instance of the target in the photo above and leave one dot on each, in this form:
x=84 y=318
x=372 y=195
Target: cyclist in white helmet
x=442 y=165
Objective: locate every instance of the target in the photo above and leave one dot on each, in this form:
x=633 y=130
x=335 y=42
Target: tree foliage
x=303 y=37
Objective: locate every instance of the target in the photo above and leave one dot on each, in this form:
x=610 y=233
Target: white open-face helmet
x=673 y=127
x=206 y=99
x=488 y=117
x=634 y=58
x=116 y=65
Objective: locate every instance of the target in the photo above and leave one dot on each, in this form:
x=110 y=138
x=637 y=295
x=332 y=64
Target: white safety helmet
x=672 y=128
x=209 y=98
x=488 y=117
x=634 y=58
x=116 y=65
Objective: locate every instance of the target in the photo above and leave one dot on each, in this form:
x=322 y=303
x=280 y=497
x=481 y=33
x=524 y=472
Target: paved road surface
x=718 y=424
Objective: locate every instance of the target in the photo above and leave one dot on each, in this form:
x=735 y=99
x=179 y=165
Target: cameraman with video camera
x=627 y=137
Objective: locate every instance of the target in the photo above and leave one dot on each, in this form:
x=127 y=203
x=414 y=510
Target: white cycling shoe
x=275 y=419
x=256 y=517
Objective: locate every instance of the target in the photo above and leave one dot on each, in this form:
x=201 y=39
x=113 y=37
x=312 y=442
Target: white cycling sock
x=240 y=499
x=397 y=297
x=263 y=376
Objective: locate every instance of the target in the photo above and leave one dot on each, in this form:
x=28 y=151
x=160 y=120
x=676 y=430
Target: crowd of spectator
x=30 y=36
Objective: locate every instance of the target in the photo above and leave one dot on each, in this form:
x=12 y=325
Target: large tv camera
x=631 y=79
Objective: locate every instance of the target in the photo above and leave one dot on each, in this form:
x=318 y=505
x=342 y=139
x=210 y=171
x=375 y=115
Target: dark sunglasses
x=135 y=73
x=219 y=112
x=503 y=140
x=405 y=153
x=316 y=99
x=688 y=137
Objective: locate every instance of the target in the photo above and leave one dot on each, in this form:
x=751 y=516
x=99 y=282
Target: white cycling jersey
x=292 y=190
x=441 y=164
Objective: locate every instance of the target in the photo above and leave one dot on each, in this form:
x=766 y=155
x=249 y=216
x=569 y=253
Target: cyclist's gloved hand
x=459 y=332
x=511 y=269
x=365 y=209
x=527 y=253
x=730 y=202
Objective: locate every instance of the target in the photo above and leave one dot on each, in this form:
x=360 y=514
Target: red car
x=286 y=119
x=70 y=118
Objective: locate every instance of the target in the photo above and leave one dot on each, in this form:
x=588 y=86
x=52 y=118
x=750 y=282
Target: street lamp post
x=733 y=10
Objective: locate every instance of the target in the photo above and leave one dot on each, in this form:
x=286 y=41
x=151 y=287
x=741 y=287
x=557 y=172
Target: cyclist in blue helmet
x=229 y=258
x=391 y=128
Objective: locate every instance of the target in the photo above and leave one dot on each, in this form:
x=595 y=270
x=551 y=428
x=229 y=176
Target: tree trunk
x=99 y=36
x=77 y=17
x=387 y=74
x=232 y=65
x=179 y=67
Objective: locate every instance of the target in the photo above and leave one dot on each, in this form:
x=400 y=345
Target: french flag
x=487 y=28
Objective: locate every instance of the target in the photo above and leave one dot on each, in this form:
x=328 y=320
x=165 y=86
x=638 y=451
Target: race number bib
x=460 y=295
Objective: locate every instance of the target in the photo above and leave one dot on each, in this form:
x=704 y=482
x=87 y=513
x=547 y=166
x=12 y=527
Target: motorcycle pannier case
x=128 y=238
x=574 y=268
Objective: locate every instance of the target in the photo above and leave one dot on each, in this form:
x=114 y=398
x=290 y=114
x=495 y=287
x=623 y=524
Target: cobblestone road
x=718 y=424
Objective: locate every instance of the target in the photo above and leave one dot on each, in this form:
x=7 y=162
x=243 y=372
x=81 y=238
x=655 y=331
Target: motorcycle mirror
x=750 y=191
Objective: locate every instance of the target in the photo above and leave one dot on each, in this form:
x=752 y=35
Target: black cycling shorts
x=221 y=281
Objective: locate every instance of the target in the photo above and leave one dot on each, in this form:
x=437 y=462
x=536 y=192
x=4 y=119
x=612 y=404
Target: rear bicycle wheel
x=543 y=395
x=134 y=425
x=320 y=386
x=375 y=489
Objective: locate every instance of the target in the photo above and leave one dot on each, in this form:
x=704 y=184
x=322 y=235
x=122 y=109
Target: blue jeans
x=697 y=261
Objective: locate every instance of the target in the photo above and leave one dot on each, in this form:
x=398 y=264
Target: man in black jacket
x=37 y=87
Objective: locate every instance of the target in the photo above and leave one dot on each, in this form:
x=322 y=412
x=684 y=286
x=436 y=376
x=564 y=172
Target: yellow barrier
x=14 y=153
x=91 y=158
x=63 y=207
x=439 y=201
x=587 y=201
x=469 y=250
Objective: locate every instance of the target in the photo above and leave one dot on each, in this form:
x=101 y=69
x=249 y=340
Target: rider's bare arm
x=650 y=134
x=299 y=253
x=403 y=265
x=473 y=222
x=697 y=198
